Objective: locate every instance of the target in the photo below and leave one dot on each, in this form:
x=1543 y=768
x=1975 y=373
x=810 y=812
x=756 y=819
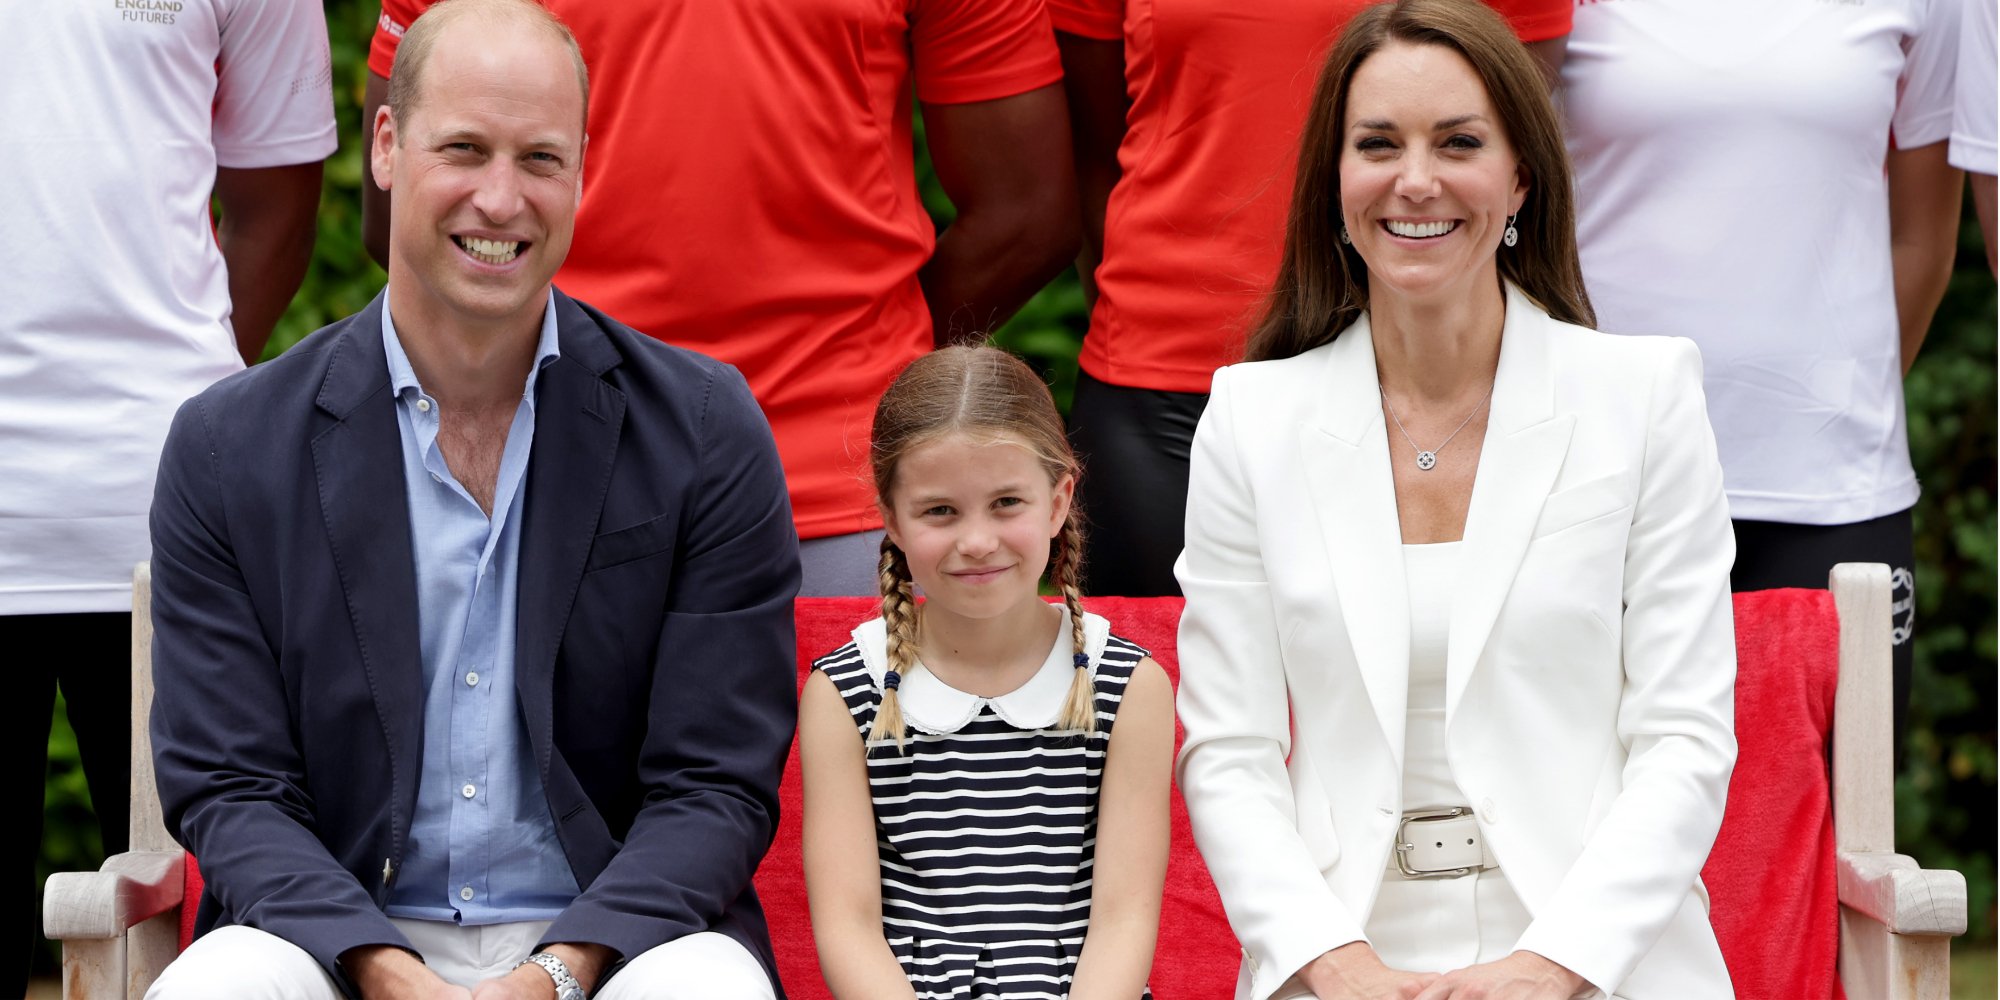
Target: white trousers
x=242 y=963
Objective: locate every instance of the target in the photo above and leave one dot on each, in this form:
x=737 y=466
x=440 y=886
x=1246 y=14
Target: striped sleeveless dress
x=986 y=823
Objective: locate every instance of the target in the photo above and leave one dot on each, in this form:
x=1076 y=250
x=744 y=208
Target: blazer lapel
x=1525 y=445
x=1346 y=462
x=578 y=417
x=357 y=461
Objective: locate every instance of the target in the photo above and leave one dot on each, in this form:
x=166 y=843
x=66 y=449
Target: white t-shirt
x=1976 y=112
x=117 y=113
x=1729 y=173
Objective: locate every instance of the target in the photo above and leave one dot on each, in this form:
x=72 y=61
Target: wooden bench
x=121 y=924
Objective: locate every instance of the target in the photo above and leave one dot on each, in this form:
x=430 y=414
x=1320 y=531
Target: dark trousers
x=1134 y=446
x=90 y=656
x=1770 y=554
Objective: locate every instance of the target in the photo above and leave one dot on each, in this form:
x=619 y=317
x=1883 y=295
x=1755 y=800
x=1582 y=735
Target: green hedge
x=1946 y=795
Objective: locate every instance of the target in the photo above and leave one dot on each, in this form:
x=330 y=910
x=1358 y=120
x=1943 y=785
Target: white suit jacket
x=1590 y=672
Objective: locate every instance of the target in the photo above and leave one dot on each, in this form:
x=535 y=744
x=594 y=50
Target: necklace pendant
x=1426 y=459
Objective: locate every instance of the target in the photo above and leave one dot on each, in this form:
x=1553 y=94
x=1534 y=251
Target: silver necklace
x=1427 y=460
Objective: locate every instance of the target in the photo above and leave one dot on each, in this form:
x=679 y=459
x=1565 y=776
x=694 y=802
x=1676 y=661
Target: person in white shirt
x=1974 y=114
x=1769 y=180
x=122 y=299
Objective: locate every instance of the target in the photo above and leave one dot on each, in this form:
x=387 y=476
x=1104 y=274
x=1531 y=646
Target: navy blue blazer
x=655 y=660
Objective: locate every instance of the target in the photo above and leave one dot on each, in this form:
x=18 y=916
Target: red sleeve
x=981 y=50
x=389 y=28
x=1536 y=20
x=1100 y=19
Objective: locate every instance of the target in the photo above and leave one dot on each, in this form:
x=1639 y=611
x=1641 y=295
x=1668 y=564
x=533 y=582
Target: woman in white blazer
x=1457 y=660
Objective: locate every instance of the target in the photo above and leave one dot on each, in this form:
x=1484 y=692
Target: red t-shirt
x=750 y=193
x=1196 y=223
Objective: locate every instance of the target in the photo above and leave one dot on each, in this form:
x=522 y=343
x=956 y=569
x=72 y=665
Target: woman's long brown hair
x=1322 y=284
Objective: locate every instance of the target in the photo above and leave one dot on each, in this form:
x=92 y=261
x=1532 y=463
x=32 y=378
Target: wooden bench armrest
x=1906 y=899
x=130 y=888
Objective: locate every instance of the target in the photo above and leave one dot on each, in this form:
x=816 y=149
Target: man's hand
x=528 y=982
x=1353 y=972
x=385 y=972
x=1523 y=975
x=586 y=962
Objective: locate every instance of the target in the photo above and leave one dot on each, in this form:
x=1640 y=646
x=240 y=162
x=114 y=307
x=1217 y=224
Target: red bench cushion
x=1770 y=876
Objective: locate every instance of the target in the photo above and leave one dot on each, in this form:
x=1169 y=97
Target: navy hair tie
x=891 y=681
x=1082 y=660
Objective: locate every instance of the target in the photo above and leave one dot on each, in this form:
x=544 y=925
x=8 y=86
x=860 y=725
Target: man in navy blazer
x=450 y=671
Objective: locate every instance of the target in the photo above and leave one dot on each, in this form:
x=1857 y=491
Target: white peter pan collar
x=935 y=707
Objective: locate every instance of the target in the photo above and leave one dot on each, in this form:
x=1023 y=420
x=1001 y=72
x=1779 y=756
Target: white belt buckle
x=1440 y=844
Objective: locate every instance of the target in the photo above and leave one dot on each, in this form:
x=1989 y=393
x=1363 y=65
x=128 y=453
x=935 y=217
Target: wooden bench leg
x=1878 y=965
x=93 y=969
x=149 y=946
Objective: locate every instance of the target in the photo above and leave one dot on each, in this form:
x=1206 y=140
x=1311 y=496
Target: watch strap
x=567 y=988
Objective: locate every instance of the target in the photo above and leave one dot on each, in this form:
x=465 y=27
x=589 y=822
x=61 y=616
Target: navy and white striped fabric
x=986 y=834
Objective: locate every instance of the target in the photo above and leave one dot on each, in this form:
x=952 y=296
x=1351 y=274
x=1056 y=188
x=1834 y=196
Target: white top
x=931 y=705
x=1431 y=572
x=1729 y=174
x=117 y=300
x=1976 y=112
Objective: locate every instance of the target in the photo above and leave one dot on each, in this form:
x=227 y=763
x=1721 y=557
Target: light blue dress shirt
x=482 y=847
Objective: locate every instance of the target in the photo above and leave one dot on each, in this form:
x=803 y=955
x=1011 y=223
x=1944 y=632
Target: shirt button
x=468 y=791
x=423 y=406
x=436 y=478
x=472 y=678
x=465 y=894
x=1489 y=812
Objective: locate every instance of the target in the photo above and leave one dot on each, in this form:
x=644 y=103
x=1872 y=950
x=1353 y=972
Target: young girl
x=963 y=758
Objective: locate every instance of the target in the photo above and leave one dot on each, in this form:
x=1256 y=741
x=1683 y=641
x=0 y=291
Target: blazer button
x=1488 y=811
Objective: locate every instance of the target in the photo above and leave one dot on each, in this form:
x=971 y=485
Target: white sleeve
x=1677 y=712
x=1234 y=707
x=1976 y=104
x=1930 y=66
x=274 y=89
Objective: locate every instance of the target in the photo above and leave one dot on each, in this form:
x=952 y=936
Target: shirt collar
x=931 y=705
x=403 y=377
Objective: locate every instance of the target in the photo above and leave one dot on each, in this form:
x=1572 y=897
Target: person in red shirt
x=751 y=194
x=1186 y=122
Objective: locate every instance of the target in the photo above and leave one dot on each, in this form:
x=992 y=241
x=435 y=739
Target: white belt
x=1444 y=843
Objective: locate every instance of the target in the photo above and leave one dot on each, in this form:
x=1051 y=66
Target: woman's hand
x=1353 y=972
x=1523 y=975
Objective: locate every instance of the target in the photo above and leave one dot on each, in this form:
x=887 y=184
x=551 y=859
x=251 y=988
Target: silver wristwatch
x=567 y=988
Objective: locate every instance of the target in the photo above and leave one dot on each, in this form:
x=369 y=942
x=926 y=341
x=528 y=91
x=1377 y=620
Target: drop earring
x=1512 y=235
x=1343 y=234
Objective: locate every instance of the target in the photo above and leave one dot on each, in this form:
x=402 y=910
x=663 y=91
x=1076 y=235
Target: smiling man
x=473 y=611
x=753 y=197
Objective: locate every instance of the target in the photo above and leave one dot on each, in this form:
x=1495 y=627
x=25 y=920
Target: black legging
x=90 y=655
x=1134 y=447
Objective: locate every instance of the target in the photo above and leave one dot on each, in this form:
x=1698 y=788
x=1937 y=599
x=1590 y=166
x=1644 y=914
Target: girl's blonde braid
x=1080 y=707
x=899 y=614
